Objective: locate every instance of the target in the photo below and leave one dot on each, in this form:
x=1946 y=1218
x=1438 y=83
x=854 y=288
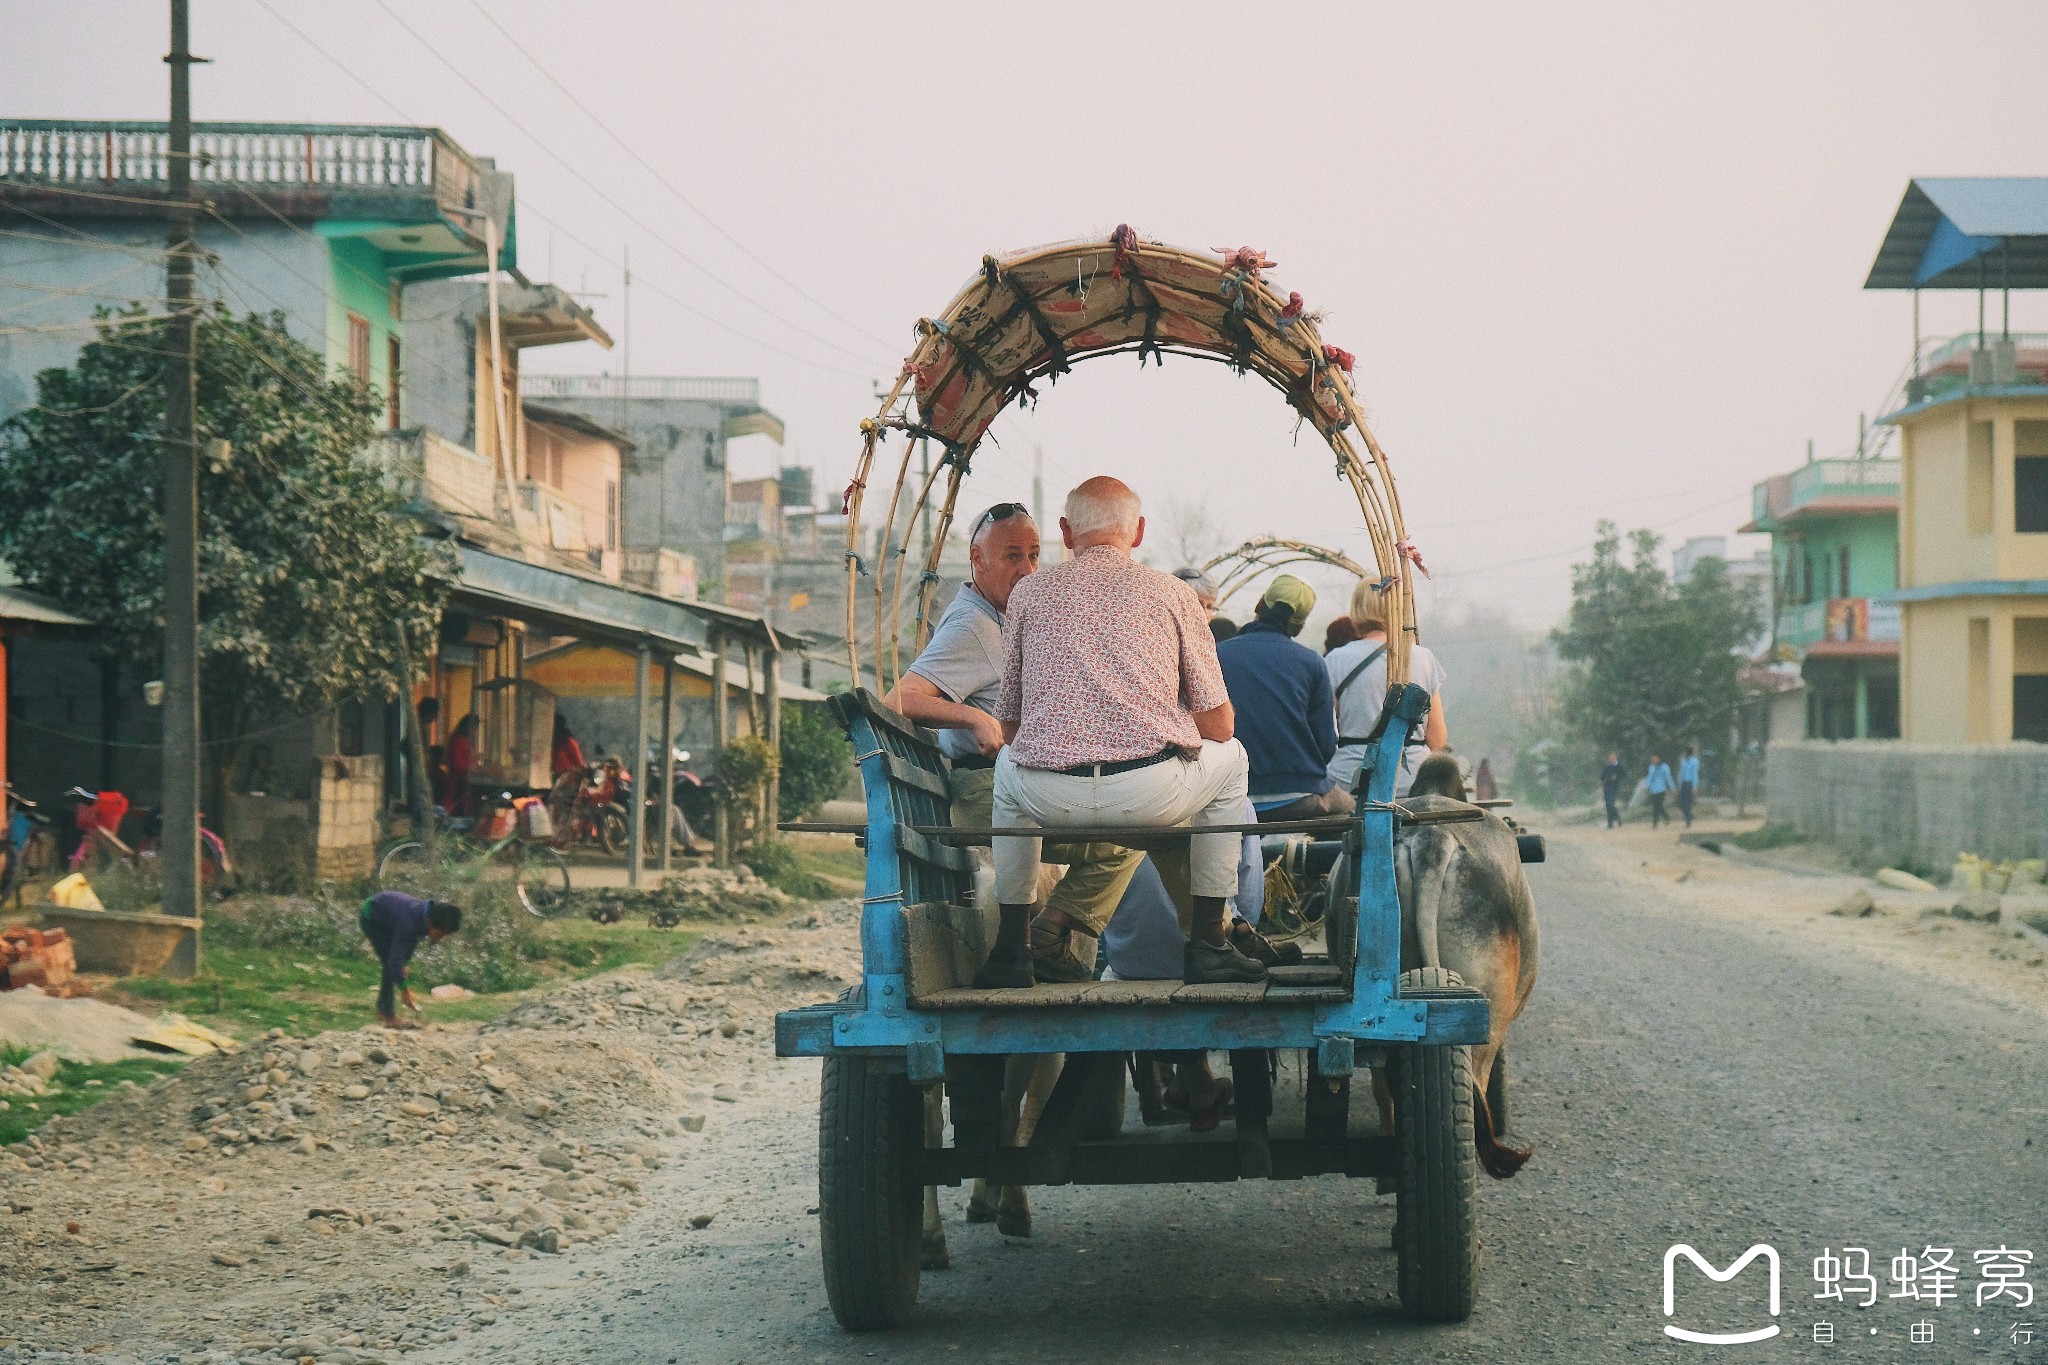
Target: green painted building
x=1834 y=528
x=324 y=223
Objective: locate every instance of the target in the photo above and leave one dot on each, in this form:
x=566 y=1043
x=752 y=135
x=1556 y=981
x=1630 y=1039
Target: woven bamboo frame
x=998 y=337
x=1266 y=553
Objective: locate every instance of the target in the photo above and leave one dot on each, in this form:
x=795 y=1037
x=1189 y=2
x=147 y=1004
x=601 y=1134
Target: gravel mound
x=339 y=1190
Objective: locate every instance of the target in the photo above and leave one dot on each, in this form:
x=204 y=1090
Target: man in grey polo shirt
x=952 y=688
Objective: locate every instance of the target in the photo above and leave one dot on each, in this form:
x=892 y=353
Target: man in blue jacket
x=1286 y=718
x=396 y=924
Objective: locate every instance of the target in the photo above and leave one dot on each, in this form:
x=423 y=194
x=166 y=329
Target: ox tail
x=1500 y=1160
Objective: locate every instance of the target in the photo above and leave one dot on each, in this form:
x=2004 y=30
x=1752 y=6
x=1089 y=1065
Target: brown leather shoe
x=1052 y=955
x=1256 y=945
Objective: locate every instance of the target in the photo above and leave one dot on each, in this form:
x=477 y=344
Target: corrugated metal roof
x=1958 y=232
x=19 y=604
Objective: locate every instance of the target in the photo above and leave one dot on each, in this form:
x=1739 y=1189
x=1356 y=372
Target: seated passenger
x=1358 y=676
x=952 y=688
x=1281 y=693
x=1115 y=714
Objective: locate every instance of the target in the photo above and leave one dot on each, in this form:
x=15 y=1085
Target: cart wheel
x=1437 y=1225
x=870 y=1210
x=1497 y=1091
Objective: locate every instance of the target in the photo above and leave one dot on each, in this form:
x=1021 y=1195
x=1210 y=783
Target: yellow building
x=1973 y=516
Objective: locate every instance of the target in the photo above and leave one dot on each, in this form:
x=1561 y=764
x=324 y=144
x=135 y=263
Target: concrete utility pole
x=178 y=849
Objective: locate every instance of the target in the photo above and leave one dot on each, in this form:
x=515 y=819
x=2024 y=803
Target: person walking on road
x=1657 y=784
x=1688 y=783
x=1610 y=787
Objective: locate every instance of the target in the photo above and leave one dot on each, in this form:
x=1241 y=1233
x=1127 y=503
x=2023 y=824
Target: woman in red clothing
x=461 y=763
x=566 y=766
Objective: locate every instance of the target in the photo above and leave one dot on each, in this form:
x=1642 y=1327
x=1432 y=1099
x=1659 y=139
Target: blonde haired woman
x=1358 y=676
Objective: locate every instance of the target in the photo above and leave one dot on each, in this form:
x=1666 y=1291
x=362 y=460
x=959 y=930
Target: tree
x=1658 y=662
x=308 y=563
x=1189 y=531
x=817 y=762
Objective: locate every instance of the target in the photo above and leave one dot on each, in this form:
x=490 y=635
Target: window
x=359 y=348
x=2030 y=493
x=611 y=514
x=392 y=354
x=1845 y=572
x=397 y=295
x=2030 y=707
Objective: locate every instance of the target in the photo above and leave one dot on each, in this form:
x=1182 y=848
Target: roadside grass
x=78 y=1085
x=1767 y=837
x=834 y=859
x=245 y=991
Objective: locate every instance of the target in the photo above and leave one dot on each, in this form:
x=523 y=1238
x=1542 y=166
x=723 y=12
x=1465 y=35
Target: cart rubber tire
x=1437 y=1226
x=870 y=1210
x=1497 y=1092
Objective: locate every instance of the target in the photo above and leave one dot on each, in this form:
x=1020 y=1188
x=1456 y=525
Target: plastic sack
x=75 y=893
x=1968 y=874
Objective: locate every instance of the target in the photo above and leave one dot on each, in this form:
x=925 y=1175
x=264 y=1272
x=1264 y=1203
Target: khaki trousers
x=1208 y=789
x=1097 y=874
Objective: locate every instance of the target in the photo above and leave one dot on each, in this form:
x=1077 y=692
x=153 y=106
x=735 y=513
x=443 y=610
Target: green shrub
x=775 y=862
x=817 y=761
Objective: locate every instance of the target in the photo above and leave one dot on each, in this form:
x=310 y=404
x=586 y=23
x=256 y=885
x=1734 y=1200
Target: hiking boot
x=1053 y=958
x=1005 y=970
x=1256 y=945
x=1207 y=964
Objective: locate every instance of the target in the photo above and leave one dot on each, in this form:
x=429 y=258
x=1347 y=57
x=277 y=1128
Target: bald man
x=952 y=688
x=1114 y=712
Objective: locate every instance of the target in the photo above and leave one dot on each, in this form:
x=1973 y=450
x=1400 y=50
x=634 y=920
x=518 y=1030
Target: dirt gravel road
x=1709 y=1059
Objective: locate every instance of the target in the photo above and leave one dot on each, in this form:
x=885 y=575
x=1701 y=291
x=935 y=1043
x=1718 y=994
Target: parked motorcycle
x=594 y=811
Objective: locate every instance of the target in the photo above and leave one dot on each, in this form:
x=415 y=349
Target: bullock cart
x=913 y=1023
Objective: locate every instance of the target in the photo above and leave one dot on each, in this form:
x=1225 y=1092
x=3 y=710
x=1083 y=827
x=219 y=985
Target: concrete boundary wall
x=1913 y=804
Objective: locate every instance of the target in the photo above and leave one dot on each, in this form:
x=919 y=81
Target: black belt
x=1124 y=766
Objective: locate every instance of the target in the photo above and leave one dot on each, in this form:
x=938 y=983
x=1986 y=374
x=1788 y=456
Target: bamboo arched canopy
x=1262 y=555
x=1030 y=316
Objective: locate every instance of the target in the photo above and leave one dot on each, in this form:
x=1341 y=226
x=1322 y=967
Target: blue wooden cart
x=913 y=1024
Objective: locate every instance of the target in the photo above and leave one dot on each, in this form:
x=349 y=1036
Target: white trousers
x=1208 y=789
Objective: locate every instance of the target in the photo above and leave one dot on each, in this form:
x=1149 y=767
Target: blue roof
x=1958 y=233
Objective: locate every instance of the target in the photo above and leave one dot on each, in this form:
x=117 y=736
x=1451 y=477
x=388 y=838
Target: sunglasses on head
x=1002 y=511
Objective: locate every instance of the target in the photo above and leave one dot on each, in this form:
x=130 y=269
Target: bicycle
x=536 y=873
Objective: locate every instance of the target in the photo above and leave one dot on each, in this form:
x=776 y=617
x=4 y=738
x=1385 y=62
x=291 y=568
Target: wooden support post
x=636 y=819
x=667 y=766
x=721 y=852
x=774 y=704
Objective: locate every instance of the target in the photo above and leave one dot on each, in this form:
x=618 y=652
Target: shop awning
x=571 y=604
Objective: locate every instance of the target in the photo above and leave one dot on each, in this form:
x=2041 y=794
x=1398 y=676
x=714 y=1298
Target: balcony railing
x=255 y=155
x=712 y=389
x=1852 y=481
x=1838 y=619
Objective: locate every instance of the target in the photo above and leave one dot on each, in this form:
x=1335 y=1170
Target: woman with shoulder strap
x=1358 y=675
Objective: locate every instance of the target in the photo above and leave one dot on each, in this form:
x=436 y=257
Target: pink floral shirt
x=1104 y=660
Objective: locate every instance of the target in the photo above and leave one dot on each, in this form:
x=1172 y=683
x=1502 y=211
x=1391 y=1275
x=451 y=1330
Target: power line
x=564 y=162
x=664 y=181
x=693 y=310
x=600 y=192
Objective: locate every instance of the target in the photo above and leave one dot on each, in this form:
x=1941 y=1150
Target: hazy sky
x=1594 y=259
